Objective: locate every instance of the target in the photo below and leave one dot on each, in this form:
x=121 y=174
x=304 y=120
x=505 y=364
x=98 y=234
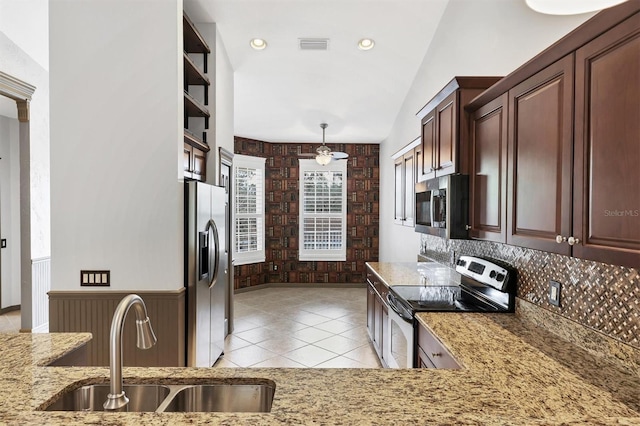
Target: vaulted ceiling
x=283 y=93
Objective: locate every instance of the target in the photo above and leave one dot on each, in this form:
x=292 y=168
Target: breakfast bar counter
x=513 y=373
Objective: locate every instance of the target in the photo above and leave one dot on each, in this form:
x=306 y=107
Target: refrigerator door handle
x=211 y=225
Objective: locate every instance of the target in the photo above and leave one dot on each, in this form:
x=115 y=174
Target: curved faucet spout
x=116 y=399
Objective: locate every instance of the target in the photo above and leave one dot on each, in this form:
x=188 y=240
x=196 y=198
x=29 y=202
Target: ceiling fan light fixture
x=258 y=43
x=366 y=44
x=323 y=159
x=570 y=7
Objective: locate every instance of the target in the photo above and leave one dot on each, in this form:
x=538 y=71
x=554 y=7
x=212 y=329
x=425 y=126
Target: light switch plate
x=95 y=278
x=554 y=292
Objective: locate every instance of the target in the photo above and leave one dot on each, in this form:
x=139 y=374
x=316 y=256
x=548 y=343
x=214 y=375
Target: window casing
x=323 y=211
x=248 y=211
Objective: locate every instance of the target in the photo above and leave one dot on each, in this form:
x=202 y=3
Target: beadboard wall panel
x=92 y=311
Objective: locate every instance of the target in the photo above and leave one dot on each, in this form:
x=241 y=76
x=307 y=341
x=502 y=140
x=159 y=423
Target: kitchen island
x=513 y=373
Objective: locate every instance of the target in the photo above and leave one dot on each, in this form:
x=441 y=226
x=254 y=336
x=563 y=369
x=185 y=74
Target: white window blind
x=248 y=218
x=323 y=212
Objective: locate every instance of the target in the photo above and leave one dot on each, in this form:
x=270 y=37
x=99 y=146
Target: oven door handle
x=392 y=305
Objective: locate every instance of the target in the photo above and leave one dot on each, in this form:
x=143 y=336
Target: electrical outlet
x=554 y=292
x=95 y=278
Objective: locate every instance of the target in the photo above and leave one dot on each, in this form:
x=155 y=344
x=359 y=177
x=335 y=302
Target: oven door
x=400 y=347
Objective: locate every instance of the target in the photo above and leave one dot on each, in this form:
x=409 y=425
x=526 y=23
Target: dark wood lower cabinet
x=377 y=315
x=431 y=353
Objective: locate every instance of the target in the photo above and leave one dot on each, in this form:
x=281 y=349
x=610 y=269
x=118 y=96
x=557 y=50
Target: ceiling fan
x=324 y=155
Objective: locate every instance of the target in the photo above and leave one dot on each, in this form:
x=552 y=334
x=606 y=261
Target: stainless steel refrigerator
x=205 y=272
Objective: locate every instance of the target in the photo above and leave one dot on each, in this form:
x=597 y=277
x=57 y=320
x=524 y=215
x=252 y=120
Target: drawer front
x=434 y=350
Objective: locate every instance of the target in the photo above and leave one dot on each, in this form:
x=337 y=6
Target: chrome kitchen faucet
x=116 y=399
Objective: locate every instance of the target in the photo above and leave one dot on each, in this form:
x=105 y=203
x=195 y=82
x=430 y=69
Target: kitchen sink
x=227 y=398
x=245 y=396
x=91 y=398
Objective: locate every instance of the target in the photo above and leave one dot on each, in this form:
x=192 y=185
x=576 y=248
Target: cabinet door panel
x=398 y=215
x=409 y=189
x=199 y=164
x=445 y=149
x=371 y=297
x=187 y=160
x=607 y=148
x=488 y=171
x=428 y=146
x=540 y=156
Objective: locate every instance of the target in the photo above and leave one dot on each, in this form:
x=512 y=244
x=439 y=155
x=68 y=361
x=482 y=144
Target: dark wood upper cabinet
x=606 y=218
x=428 y=170
x=540 y=158
x=405 y=169
x=573 y=168
x=445 y=127
x=487 y=180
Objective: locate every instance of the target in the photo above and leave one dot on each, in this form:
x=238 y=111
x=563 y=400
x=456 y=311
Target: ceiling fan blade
x=339 y=155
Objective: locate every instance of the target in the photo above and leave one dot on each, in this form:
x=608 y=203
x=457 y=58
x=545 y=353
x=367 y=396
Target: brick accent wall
x=282 y=209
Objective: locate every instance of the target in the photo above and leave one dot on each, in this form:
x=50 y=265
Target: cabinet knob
x=573 y=241
x=467 y=227
x=560 y=239
x=435 y=354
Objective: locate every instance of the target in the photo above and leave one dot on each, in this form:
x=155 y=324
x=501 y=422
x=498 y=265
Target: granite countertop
x=513 y=373
x=411 y=273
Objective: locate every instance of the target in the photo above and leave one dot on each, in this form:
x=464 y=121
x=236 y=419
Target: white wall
x=489 y=37
x=116 y=142
x=224 y=97
x=26 y=23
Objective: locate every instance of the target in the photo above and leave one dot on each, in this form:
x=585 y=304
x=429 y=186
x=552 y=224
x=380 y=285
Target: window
x=248 y=219
x=323 y=211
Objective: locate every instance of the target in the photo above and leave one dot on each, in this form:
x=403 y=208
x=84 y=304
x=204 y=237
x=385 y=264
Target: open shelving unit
x=195 y=147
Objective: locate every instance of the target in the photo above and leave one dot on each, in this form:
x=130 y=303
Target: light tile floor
x=10 y=322
x=300 y=327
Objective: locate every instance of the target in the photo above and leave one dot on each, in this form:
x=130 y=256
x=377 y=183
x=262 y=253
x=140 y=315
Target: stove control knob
x=500 y=277
x=492 y=274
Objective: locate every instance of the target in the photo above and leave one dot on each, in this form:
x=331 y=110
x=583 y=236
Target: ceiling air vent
x=313 y=43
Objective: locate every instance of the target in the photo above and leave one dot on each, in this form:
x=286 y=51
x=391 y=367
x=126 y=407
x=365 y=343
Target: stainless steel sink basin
x=91 y=398
x=245 y=396
x=227 y=398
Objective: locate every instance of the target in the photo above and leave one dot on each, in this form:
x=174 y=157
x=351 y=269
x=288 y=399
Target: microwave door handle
x=432 y=207
x=211 y=225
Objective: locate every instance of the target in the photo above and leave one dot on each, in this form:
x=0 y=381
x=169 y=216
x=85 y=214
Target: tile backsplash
x=603 y=297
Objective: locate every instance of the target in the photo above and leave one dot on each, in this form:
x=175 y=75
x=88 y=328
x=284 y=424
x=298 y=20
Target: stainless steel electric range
x=485 y=285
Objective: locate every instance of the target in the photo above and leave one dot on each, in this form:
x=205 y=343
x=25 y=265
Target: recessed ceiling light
x=258 y=43
x=366 y=44
x=570 y=7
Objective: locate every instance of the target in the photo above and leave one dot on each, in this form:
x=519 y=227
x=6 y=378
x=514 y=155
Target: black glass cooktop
x=437 y=299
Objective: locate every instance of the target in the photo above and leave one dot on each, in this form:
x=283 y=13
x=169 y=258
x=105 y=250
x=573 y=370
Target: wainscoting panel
x=41 y=281
x=92 y=311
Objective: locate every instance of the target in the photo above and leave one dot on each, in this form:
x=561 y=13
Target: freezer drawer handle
x=211 y=225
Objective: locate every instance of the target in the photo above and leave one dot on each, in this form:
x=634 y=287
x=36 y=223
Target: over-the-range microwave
x=442 y=206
